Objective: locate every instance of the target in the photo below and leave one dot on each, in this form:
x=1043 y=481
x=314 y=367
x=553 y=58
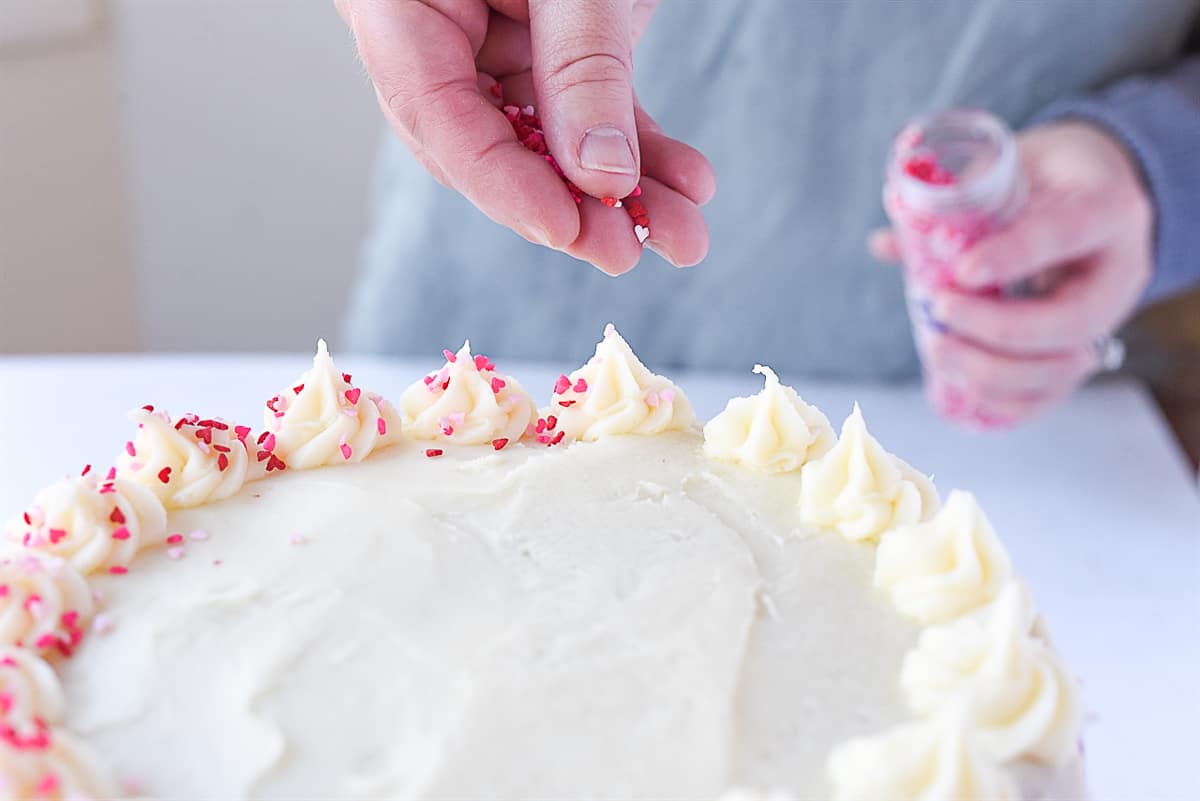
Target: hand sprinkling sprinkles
x=527 y=125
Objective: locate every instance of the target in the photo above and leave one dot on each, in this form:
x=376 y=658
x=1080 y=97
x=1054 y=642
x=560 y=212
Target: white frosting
x=323 y=419
x=446 y=641
x=938 y=570
x=1023 y=701
x=614 y=393
x=65 y=771
x=466 y=401
x=44 y=603
x=30 y=688
x=936 y=760
x=96 y=525
x=187 y=461
x=861 y=490
x=774 y=431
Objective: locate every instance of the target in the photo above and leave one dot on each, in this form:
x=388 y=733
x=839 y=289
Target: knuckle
x=598 y=69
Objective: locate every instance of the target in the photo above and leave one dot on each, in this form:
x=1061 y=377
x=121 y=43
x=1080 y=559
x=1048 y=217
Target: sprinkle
x=353 y=395
x=176 y=552
x=381 y=427
x=164 y=475
x=216 y=563
x=432 y=452
x=562 y=385
x=33 y=605
x=87 y=468
x=117 y=515
x=268 y=442
x=174 y=539
x=346 y=377
x=483 y=363
x=241 y=432
x=499 y=444
x=558 y=438
x=56 y=535
x=275 y=463
x=130 y=449
x=112 y=474
x=262 y=455
x=551 y=422
x=297 y=539
x=450 y=357
x=149 y=407
x=611 y=202
x=652 y=400
x=199 y=535
x=102 y=624
x=580 y=386
x=118 y=570
x=298 y=389
x=497 y=90
x=541 y=425
x=222 y=462
x=121 y=533
x=346 y=452
x=637 y=191
x=667 y=395
x=135 y=466
x=566 y=404
x=497 y=385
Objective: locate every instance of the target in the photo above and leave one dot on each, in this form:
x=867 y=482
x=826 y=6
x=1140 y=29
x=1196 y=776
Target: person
x=795 y=104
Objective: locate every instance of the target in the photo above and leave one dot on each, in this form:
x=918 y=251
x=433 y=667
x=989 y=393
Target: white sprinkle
x=297 y=539
x=136 y=466
x=642 y=233
x=176 y=552
x=199 y=535
x=102 y=624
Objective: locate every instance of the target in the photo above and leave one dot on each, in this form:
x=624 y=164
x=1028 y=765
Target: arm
x=1158 y=121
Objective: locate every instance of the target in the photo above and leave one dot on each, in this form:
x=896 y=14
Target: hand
x=1089 y=215
x=432 y=62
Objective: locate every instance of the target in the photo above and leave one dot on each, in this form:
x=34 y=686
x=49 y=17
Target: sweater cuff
x=1158 y=120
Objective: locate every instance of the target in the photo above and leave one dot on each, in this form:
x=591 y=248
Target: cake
x=463 y=595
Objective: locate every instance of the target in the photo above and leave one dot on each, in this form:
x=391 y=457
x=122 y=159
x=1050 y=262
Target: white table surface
x=1095 y=503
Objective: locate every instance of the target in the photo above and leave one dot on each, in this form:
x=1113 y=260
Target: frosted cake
x=461 y=595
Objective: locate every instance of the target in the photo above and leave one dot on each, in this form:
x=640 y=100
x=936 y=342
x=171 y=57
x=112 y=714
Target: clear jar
x=953 y=178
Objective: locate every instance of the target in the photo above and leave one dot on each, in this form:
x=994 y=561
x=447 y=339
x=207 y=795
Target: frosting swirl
x=1023 y=702
x=861 y=490
x=774 y=431
x=935 y=760
x=188 y=461
x=59 y=768
x=614 y=393
x=30 y=689
x=468 y=402
x=324 y=419
x=44 y=603
x=940 y=569
x=93 y=524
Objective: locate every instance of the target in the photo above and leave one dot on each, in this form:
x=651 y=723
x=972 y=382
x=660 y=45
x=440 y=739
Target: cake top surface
x=463 y=595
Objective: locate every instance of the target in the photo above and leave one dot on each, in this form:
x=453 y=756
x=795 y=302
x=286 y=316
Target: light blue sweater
x=795 y=104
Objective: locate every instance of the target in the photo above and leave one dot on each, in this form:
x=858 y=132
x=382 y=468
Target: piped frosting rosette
x=861 y=490
x=933 y=760
x=58 y=768
x=45 y=605
x=467 y=402
x=32 y=694
x=95 y=525
x=943 y=568
x=1022 y=701
x=774 y=431
x=614 y=393
x=324 y=419
x=186 y=461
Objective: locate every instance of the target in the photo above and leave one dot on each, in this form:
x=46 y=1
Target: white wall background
x=226 y=210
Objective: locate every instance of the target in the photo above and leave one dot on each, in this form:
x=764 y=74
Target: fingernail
x=536 y=235
x=607 y=150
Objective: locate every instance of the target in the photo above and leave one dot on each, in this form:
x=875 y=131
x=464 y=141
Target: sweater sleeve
x=1158 y=119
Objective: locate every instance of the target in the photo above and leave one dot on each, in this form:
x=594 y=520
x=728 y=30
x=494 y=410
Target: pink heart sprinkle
x=580 y=386
x=381 y=427
x=497 y=385
x=199 y=535
x=346 y=452
x=102 y=624
x=562 y=385
x=297 y=539
x=353 y=395
x=176 y=552
x=130 y=449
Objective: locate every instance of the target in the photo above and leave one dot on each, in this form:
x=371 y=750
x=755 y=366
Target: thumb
x=583 y=79
x=1049 y=232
